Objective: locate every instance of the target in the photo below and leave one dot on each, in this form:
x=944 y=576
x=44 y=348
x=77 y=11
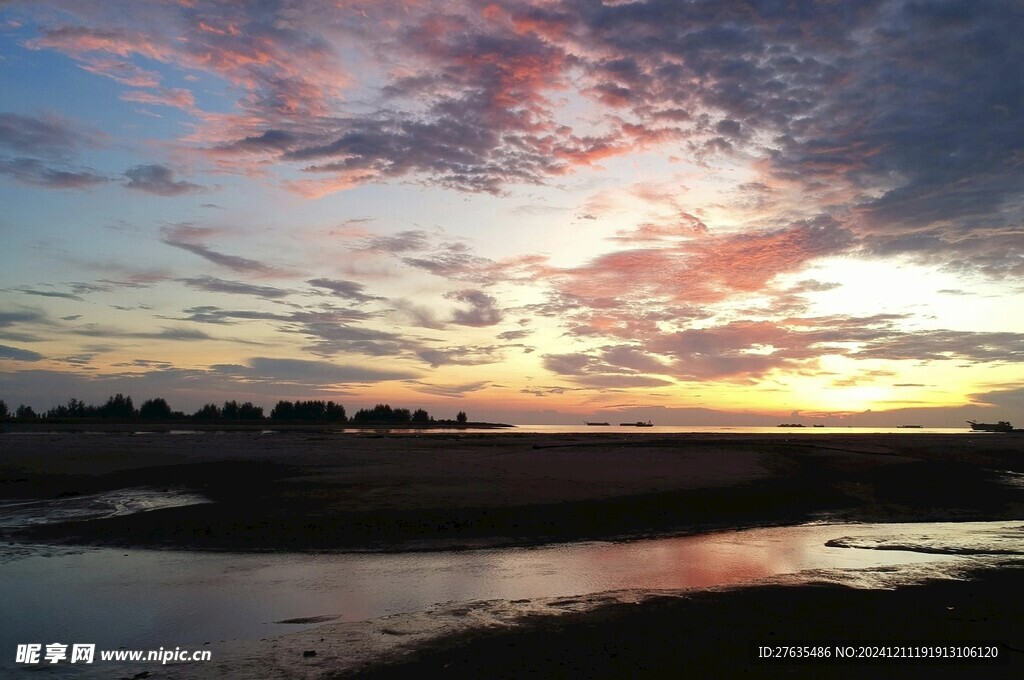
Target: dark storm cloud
x=158 y=180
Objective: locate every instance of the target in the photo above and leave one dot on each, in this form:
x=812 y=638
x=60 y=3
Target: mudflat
x=309 y=490
x=315 y=491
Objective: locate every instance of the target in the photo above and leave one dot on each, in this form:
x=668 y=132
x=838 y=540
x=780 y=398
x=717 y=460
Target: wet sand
x=346 y=491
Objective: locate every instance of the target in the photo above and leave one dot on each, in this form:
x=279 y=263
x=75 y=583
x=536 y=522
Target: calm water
x=583 y=428
x=148 y=598
x=736 y=429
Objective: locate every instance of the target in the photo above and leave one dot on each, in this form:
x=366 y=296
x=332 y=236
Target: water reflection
x=140 y=598
x=15 y=514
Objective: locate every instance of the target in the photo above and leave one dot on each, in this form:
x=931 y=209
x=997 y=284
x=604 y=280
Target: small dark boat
x=638 y=423
x=1001 y=426
x=917 y=427
x=791 y=425
x=590 y=423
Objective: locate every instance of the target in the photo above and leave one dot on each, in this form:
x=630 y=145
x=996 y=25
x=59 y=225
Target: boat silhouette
x=1001 y=426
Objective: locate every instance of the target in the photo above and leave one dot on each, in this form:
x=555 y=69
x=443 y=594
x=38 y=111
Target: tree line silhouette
x=121 y=407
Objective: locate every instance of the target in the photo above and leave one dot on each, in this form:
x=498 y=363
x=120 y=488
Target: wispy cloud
x=215 y=285
x=48 y=135
x=34 y=172
x=18 y=354
x=191 y=239
x=345 y=289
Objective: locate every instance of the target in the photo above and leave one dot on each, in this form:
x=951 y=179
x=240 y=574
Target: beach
x=329 y=491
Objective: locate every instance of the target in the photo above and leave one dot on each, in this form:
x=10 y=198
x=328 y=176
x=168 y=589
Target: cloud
x=48 y=135
x=467 y=355
x=626 y=293
x=260 y=379
x=619 y=381
x=944 y=345
x=177 y=98
x=329 y=337
x=49 y=293
x=235 y=262
x=481 y=311
x=590 y=371
x=215 y=315
x=121 y=71
x=864 y=109
x=457 y=262
x=401 y=242
x=319 y=372
x=17 y=354
x=747 y=350
x=452 y=391
x=418 y=315
x=344 y=289
x=515 y=335
x=34 y=172
x=9 y=320
x=215 y=285
x=889 y=129
x=282 y=69
x=174 y=334
x=190 y=238
x=158 y=180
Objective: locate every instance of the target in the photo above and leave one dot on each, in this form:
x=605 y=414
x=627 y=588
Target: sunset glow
x=534 y=211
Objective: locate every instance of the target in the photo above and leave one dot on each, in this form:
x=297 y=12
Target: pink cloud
x=704 y=270
x=176 y=98
x=80 y=40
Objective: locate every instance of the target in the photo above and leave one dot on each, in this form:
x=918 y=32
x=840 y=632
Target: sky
x=699 y=212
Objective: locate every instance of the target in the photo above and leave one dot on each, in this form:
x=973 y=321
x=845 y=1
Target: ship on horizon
x=1001 y=426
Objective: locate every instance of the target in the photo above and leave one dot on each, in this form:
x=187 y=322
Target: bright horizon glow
x=530 y=211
